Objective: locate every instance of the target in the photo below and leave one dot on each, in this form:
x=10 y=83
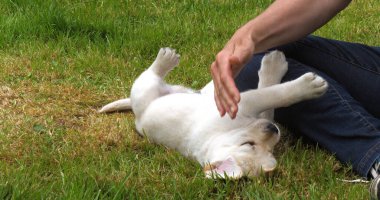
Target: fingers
x=216 y=81
x=228 y=63
x=226 y=95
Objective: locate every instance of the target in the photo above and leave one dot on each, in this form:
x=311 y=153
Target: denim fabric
x=345 y=120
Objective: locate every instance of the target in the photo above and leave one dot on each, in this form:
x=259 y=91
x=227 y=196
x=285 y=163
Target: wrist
x=257 y=36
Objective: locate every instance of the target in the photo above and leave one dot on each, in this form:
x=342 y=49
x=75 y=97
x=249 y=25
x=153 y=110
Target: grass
x=60 y=61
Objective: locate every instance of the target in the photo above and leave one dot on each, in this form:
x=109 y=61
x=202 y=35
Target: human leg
x=355 y=66
x=336 y=121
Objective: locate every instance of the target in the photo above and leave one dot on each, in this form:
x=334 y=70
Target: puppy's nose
x=272 y=128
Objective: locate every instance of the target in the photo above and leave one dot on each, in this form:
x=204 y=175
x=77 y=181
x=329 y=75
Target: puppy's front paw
x=167 y=58
x=313 y=85
x=273 y=65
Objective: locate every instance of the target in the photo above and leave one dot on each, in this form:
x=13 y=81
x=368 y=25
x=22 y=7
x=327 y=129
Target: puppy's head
x=246 y=152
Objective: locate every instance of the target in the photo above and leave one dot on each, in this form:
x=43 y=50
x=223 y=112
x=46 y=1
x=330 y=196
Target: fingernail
x=233 y=109
x=221 y=112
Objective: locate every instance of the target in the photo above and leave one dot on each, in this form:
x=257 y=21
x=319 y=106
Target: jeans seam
x=362 y=162
x=367 y=156
x=339 y=58
x=345 y=103
x=348 y=106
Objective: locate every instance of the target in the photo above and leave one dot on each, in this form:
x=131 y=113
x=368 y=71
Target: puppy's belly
x=170 y=120
x=185 y=121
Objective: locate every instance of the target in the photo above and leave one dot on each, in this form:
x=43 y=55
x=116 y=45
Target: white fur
x=189 y=122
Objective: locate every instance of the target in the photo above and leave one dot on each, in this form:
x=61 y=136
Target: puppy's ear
x=223 y=169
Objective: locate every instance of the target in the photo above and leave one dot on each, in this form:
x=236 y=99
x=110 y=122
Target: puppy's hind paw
x=167 y=58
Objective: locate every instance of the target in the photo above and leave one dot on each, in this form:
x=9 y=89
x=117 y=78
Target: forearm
x=283 y=22
x=288 y=20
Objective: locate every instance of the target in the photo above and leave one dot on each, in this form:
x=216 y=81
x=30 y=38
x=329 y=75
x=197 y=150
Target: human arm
x=282 y=22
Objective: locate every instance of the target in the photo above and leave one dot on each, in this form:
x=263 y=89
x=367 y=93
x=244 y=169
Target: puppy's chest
x=165 y=129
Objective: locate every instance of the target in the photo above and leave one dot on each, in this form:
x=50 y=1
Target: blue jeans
x=346 y=120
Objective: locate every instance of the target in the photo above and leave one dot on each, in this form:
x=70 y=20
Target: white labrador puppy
x=189 y=121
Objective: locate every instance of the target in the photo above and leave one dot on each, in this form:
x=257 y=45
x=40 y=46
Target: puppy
x=189 y=122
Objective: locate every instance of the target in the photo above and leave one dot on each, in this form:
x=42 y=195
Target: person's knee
x=248 y=76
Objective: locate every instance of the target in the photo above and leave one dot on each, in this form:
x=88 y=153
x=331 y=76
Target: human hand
x=226 y=67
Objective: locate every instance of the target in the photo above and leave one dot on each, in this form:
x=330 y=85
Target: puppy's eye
x=251 y=143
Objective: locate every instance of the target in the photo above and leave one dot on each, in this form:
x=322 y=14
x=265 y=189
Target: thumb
x=234 y=60
x=241 y=55
x=236 y=65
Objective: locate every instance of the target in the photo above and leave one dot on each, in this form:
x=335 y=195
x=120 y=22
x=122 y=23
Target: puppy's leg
x=150 y=84
x=308 y=86
x=179 y=89
x=273 y=68
x=165 y=61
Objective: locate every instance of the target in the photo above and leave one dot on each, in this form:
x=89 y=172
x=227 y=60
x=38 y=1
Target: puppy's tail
x=119 y=105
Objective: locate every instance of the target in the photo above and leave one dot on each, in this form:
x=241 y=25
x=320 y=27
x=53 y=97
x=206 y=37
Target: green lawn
x=60 y=61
